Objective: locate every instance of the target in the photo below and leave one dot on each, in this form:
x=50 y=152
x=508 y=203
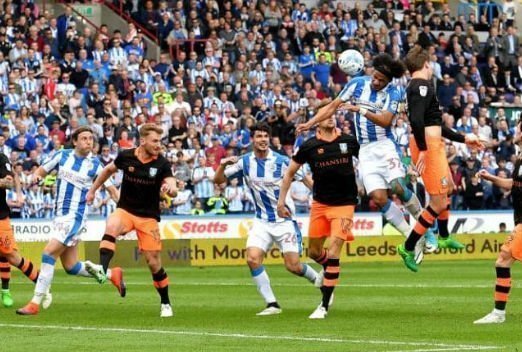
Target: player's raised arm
x=292 y=169
x=323 y=114
x=107 y=172
x=221 y=176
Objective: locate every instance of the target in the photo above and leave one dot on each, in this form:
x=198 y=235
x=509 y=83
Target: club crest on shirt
x=153 y=171
x=423 y=90
x=320 y=151
x=131 y=169
x=343 y=147
x=444 y=182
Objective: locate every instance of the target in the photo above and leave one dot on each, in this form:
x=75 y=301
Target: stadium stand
x=225 y=65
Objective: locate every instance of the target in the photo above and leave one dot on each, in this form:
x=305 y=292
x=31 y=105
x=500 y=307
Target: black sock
x=5 y=272
x=327 y=294
x=412 y=240
x=161 y=283
x=105 y=258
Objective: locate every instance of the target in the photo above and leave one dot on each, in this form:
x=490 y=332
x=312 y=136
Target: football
x=351 y=62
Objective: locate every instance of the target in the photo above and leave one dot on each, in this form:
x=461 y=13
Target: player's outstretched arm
x=39 y=174
x=497 y=181
x=282 y=210
x=384 y=119
x=323 y=114
x=219 y=176
x=107 y=172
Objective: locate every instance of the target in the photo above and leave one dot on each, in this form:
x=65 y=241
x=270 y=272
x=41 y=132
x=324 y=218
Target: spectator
x=202 y=176
x=182 y=203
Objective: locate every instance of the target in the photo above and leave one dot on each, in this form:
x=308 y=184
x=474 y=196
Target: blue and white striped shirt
x=75 y=176
x=264 y=177
x=359 y=92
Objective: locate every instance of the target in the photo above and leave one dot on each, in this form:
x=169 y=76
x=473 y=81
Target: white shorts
x=379 y=164
x=286 y=235
x=68 y=230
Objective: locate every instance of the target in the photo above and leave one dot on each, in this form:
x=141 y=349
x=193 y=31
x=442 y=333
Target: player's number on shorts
x=394 y=163
x=289 y=238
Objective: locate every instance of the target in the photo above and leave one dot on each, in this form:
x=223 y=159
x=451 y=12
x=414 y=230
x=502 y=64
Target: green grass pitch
x=378 y=307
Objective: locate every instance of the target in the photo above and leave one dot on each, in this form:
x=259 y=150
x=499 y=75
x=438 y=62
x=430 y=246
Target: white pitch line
x=192 y=283
x=445 y=347
x=471 y=348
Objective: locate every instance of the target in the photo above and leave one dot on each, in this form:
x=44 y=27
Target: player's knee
x=397 y=188
x=113 y=227
x=294 y=267
x=315 y=252
x=380 y=200
x=254 y=261
x=13 y=258
x=504 y=259
x=153 y=260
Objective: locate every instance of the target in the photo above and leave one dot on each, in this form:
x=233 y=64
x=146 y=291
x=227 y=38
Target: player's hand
x=474 y=142
x=303 y=127
x=349 y=107
x=37 y=179
x=228 y=161
x=283 y=211
x=483 y=174
x=421 y=163
x=89 y=197
x=169 y=187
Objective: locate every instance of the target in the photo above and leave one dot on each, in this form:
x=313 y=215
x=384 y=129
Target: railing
x=174 y=48
x=119 y=10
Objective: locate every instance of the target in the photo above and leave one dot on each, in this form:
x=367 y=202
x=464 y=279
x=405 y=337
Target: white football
x=351 y=62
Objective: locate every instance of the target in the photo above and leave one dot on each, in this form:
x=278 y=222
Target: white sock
x=44 y=279
x=79 y=270
x=309 y=273
x=263 y=284
x=109 y=274
x=413 y=205
x=394 y=215
x=499 y=311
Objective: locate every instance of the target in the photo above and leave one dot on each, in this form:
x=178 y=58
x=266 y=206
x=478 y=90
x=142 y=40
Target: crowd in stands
x=229 y=64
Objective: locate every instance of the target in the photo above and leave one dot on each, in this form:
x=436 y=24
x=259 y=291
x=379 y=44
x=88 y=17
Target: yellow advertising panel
x=231 y=251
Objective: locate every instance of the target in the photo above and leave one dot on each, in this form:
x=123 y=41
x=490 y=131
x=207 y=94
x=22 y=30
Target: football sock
x=412 y=203
x=107 y=248
x=442 y=221
x=394 y=215
x=424 y=222
x=27 y=267
x=273 y=304
x=78 y=269
x=161 y=282
x=308 y=272
x=331 y=279
x=44 y=279
x=322 y=259
x=502 y=287
x=5 y=273
x=262 y=281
